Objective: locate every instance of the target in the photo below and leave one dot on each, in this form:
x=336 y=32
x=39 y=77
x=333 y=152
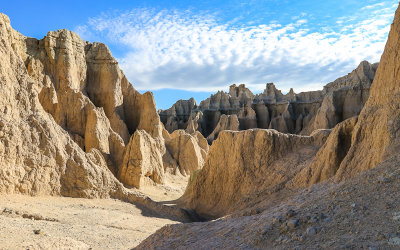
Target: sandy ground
x=73 y=223
x=173 y=188
x=58 y=222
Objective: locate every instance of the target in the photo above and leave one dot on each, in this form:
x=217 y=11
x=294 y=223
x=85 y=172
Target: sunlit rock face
x=293 y=113
x=71 y=124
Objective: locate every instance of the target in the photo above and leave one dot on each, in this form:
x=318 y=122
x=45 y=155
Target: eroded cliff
x=71 y=124
x=350 y=199
x=293 y=113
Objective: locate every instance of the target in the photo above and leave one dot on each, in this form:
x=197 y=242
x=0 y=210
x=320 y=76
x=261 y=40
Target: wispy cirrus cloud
x=184 y=50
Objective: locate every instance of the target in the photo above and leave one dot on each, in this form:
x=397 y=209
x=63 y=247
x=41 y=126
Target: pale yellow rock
x=329 y=157
x=189 y=151
x=226 y=122
x=142 y=162
x=358 y=145
x=240 y=164
x=58 y=136
x=97 y=131
x=193 y=123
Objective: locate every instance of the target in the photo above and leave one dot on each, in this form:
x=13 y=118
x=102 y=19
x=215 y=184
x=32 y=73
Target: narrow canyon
x=87 y=162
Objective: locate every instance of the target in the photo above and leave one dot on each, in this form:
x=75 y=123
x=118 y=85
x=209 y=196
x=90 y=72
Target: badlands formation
x=313 y=170
x=292 y=113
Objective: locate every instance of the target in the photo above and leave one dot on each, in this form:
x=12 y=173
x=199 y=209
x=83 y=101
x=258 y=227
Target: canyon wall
x=243 y=163
x=358 y=160
x=291 y=113
x=71 y=124
x=374 y=136
x=354 y=145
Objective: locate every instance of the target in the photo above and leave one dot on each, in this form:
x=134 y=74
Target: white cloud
x=171 y=49
x=373 y=6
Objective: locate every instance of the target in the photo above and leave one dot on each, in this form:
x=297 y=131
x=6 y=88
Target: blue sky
x=180 y=49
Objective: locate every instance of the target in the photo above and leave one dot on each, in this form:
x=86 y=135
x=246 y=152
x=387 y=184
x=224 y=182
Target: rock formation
x=226 y=122
x=329 y=157
x=359 y=213
x=360 y=158
x=71 y=124
x=361 y=144
x=240 y=164
x=189 y=151
x=238 y=161
x=291 y=113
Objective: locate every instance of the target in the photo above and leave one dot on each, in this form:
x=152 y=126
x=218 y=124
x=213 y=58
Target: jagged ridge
x=291 y=113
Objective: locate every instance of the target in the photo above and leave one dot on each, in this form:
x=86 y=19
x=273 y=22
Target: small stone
x=37 y=231
x=282 y=239
x=384 y=180
x=284 y=228
x=293 y=223
x=290 y=213
x=313 y=219
x=7 y=211
x=311 y=231
x=277 y=219
x=328 y=219
x=381 y=236
x=395 y=241
x=267 y=230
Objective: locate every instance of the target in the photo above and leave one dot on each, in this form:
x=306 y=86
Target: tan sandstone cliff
x=71 y=124
x=226 y=122
x=362 y=143
x=240 y=164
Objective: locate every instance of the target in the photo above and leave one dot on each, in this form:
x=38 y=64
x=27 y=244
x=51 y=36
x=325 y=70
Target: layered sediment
x=71 y=124
x=293 y=113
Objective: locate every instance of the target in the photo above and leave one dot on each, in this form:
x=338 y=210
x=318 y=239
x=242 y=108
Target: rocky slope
x=362 y=213
x=345 y=208
x=291 y=113
x=72 y=125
